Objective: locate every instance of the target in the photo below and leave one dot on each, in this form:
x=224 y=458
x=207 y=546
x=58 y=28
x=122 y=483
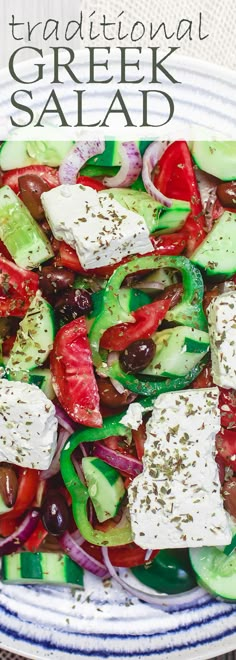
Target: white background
x=218 y=20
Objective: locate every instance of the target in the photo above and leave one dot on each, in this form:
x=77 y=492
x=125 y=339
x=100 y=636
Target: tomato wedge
x=204 y=379
x=139 y=436
x=92 y=183
x=127 y=556
x=227 y=402
x=17 y=287
x=37 y=537
x=147 y=318
x=226 y=446
x=73 y=376
x=176 y=178
x=227 y=398
x=49 y=174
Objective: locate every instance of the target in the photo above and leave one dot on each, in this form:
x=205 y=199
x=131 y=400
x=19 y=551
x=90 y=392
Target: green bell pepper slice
x=188 y=312
x=170 y=572
x=79 y=492
x=152 y=388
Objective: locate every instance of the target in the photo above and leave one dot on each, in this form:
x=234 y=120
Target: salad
x=118 y=365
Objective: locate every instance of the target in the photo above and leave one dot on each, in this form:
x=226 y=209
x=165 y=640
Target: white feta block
x=176 y=502
x=28 y=425
x=222 y=332
x=100 y=230
x=133 y=416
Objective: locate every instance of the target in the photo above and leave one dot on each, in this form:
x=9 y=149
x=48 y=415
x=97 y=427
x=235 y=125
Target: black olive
x=74 y=303
x=137 y=356
x=55 y=513
x=226 y=193
x=54 y=280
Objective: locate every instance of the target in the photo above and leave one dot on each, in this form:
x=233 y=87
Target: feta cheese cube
x=222 y=332
x=28 y=425
x=176 y=501
x=100 y=230
x=133 y=416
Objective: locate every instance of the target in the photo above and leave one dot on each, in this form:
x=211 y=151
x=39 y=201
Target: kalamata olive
x=109 y=395
x=229 y=495
x=74 y=303
x=55 y=513
x=137 y=356
x=53 y=280
x=226 y=193
x=8 y=484
x=31 y=188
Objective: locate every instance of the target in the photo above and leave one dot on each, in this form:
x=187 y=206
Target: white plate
x=204 y=98
x=51 y=623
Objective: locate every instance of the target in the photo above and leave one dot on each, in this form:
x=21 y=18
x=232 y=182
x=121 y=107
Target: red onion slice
x=77 y=157
x=130 y=465
x=70 y=546
x=15 y=541
x=64 y=420
x=164 y=601
x=55 y=465
x=150 y=159
x=113 y=356
x=78 y=469
x=207 y=186
x=131 y=167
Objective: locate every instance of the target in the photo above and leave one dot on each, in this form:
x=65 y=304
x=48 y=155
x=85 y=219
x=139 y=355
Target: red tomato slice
x=139 y=436
x=226 y=445
x=92 y=183
x=49 y=174
x=34 y=541
x=7 y=345
x=73 y=376
x=17 y=287
x=128 y=556
x=204 y=379
x=176 y=178
x=7 y=527
x=147 y=318
x=227 y=403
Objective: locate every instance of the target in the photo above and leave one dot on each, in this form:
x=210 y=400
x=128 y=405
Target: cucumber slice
x=130 y=300
x=178 y=350
x=23 y=237
x=16 y=154
x=43 y=379
x=172 y=219
x=40 y=377
x=31 y=568
x=216 y=158
x=34 y=339
x=157 y=217
x=105 y=486
x=214 y=571
x=111 y=155
x=217 y=253
x=163 y=276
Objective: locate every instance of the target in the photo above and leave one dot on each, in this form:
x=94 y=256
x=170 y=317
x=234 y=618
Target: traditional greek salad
x=118 y=364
